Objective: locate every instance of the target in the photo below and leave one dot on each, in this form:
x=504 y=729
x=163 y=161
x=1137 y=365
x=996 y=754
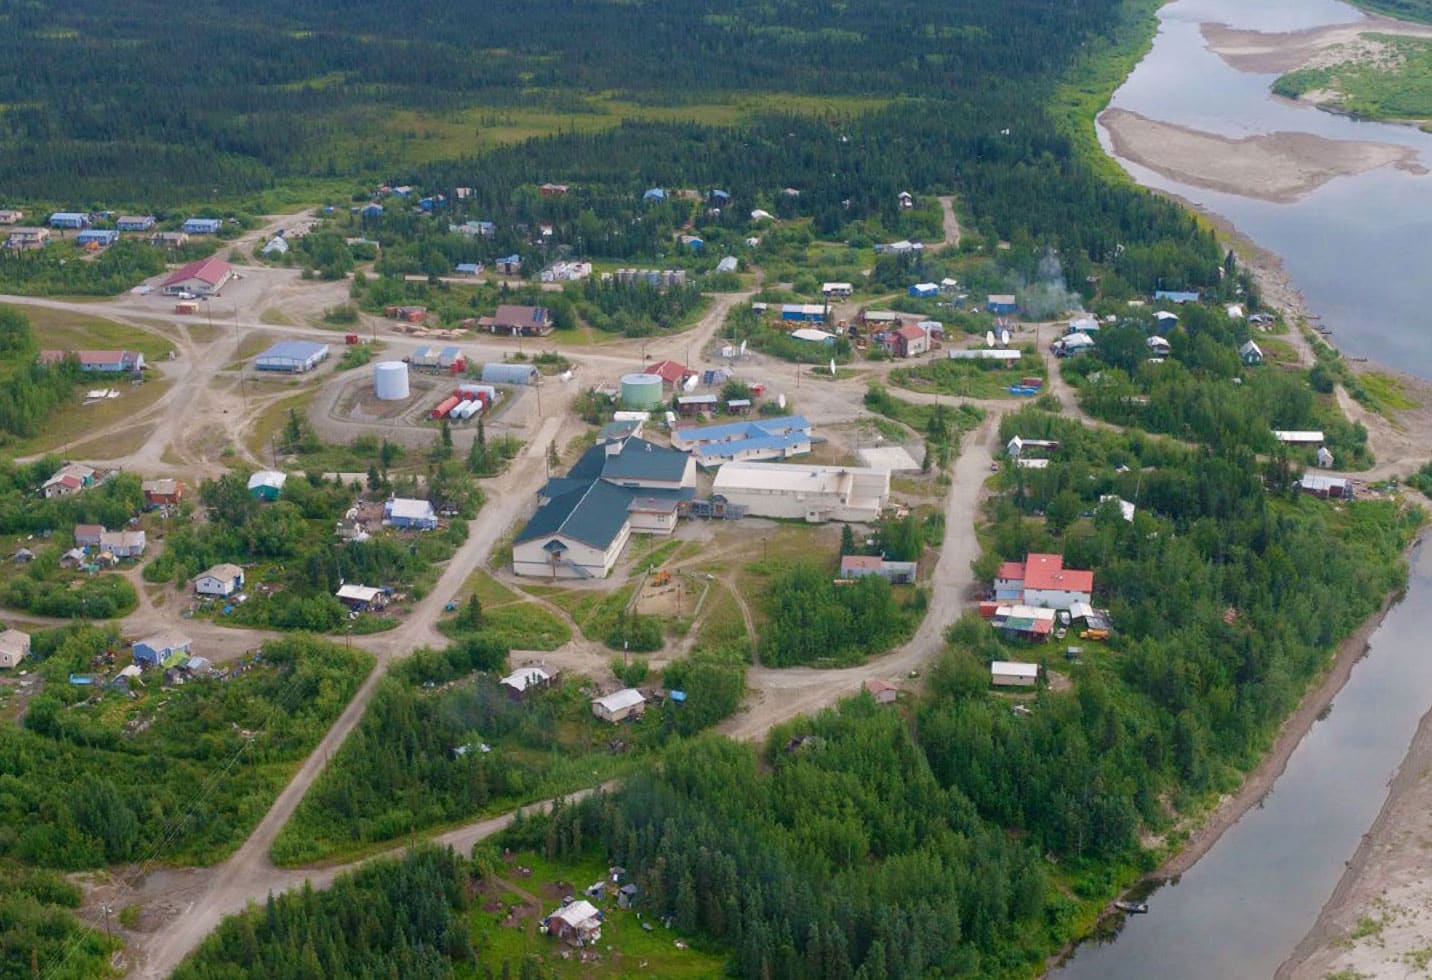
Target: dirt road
x=950 y=222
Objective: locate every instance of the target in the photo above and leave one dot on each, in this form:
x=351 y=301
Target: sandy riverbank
x=1264 y=53
x=1279 y=167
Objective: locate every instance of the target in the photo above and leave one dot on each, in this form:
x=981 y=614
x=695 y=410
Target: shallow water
x=1356 y=247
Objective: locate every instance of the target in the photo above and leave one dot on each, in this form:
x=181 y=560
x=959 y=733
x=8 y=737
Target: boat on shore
x=1132 y=908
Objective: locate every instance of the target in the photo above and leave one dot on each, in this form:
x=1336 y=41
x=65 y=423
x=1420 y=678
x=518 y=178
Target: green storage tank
x=641 y=391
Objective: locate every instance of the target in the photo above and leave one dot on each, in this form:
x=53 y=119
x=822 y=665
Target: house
x=267 y=484
x=221 y=580
x=673 y=373
x=169 y=239
x=519 y=682
x=203 y=226
x=624 y=704
x=553 y=190
x=924 y=290
x=585 y=518
x=404 y=512
x=1164 y=320
x=510 y=374
x=14 y=647
x=896 y=572
x=1001 y=303
x=97 y=237
x=1126 y=509
x=1025 y=622
x=1325 y=457
x=803 y=313
x=292 y=356
x=68 y=480
x=88 y=535
x=277 y=245
x=371 y=211
x=882 y=691
x=131 y=222
x=1084 y=324
x=1007 y=673
x=906 y=200
x=803 y=491
x=1042 y=581
x=578 y=923
x=27 y=239
x=123 y=544
x=1158 y=346
x=509 y=265
x=1326 y=487
x=564 y=271
x=518 y=321
x=204 y=277
x=837 y=290
x=1019 y=446
x=696 y=404
x=9 y=216
x=161 y=648
x=360 y=598
x=98 y=361
x=728 y=264
x=1176 y=296
x=764 y=438
x=162 y=493
x=1251 y=354
x=69 y=219
x=1299 y=437
x=909 y=341
x=1072 y=344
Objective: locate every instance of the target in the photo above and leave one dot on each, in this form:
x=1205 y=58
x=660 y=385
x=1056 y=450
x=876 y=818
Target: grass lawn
x=721 y=622
x=521 y=623
x=595 y=612
x=970 y=379
x=272 y=419
x=61 y=328
x=625 y=949
x=74 y=420
x=1387 y=392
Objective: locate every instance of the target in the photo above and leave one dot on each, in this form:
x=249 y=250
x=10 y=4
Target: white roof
x=1126 y=508
x=362 y=593
x=521 y=680
x=1165 y=315
x=1021 y=611
x=132 y=670
x=268 y=478
x=1234 y=310
x=831 y=286
x=1014 y=668
x=409 y=508
x=1298 y=435
x=807 y=333
x=789 y=477
x=1078 y=339
x=1157 y=341
x=1080 y=610
x=625 y=698
x=13 y=641
x=576 y=914
x=165 y=640
x=1251 y=347
x=984 y=354
x=1032 y=464
x=223 y=572
x=1316 y=481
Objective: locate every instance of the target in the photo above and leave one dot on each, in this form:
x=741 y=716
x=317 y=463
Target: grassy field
x=64 y=329
x=521 y=623
x=625 y=950
x=418 y=137
x=1387 y=392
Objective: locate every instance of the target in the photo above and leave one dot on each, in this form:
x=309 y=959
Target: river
x=1356 y=249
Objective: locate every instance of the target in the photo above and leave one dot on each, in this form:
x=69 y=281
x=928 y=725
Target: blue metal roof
x=293 y=350
x=717 y=450
x=594 y=515
x=642 y=460
x=746 y=429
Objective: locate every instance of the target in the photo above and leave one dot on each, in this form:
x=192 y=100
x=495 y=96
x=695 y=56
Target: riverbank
x=1278 y=167
x=1267 y=53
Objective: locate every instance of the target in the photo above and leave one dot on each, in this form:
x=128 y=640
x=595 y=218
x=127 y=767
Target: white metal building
x=624 y=704
x=293 y=356
x=806 y=492
x=1008 y=673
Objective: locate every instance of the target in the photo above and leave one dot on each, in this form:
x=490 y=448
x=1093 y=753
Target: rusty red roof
x=212 y=270
x=1048 y=572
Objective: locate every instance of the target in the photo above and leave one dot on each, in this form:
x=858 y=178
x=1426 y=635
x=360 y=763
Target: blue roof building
x=293 y=356
x=103 y=237
x=509 y=374
x=654 y=194
x=133 y=222
x=1176 y=296
x=755 y=439
x=371 y=211
x=69 y=219
x=203 y=226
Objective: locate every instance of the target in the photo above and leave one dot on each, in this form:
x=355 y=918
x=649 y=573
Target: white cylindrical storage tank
x=390 y=381
x=641 y=391
x=461 y=411
x=470 y=409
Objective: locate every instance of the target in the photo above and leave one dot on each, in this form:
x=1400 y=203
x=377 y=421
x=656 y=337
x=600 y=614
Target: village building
x=1325 y=457
x=267 y=484
x=1042 y=581
x=123 y=544
x=98 y=361
x=804 y=492
x=896 y=572
x=88 y=535
x=9 y=216
x=671 y=373
x=204 y=277
x=135 y=222
x=292 y=356
x=518 y=321
x=1002 y=303
x=203 y=226
x=525 y=679
x=755 y=439
x=578 y=923
x=1299 y=437
x=618 y=707
x=585 y=518
x=882 y=691
x=221 y=581
x=1007 y=673
x=27 y=239
x=69 y=219
x=162 y=493
x=14 y=647
x=167 y=649
x=1326 y=487
x=1251 y=354
x=909 y=341
x=68 y=480
x=404 y=512
x=360 y=598
x=837 y=290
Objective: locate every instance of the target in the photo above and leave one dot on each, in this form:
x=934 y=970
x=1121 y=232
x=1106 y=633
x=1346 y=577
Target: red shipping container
x=445 y=406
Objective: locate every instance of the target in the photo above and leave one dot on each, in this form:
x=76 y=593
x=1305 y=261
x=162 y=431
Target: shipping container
x=445 y=406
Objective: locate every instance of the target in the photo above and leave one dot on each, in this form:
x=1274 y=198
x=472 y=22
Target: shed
x=406 y=512
x=203 y=226
x=624 y=704
x=358 y=597
x=69 y=219
x=925 y=289
x=519 y=682
x=882 y=691
x=578 y=923
x=99 y=237
x=1001 y=303
x=510 y=374
x=1251 y=353
x=1326 y=487
x=1008 y=673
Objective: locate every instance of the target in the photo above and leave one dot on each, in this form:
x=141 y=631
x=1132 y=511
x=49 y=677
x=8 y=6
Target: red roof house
x=909 y=341
x=1048 y=583
x=671 y=372
x=202 y=278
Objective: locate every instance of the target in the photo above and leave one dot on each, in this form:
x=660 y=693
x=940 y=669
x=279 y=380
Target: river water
x=1357 y=249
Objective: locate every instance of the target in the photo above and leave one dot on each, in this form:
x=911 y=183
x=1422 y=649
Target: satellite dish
x=832 y=367
x=1004 y=338
x=781 y=401
x=989 y=338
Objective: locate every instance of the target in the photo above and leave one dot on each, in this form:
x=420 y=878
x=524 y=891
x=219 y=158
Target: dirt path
x=950 y=222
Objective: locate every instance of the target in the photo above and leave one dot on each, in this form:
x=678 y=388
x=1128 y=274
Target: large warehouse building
x=806 y=492
x=293 y=356
x=202 y=278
